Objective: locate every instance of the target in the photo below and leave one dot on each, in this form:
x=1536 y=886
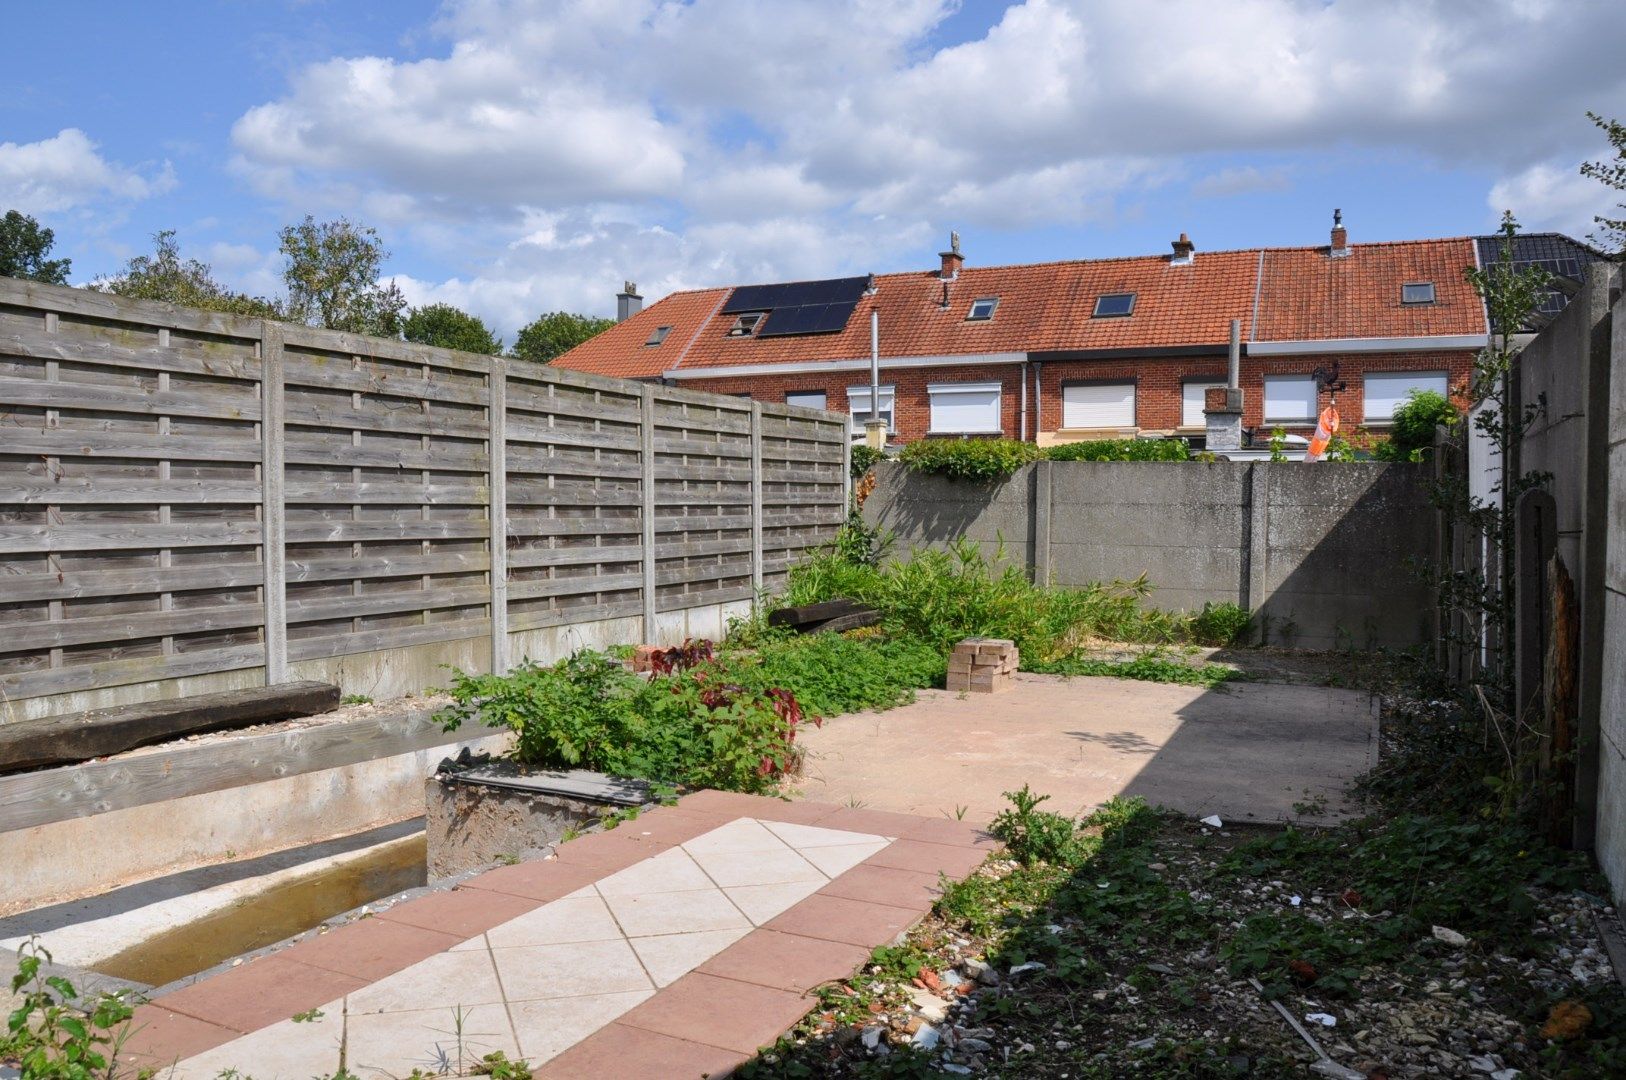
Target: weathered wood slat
x=63 y=680
x=58 y=740
x=386 y=603
x=304 y=370
x=438 y=458
x=578 y=585
x=369 y=567
x=177 y=359
x=404 y=492
x=704 y=597
x=148 y=313
x=394 y=421
x=665 y=496
x=536 y=620
x=144 y=582
x=343 y=345
x=309 y=532
x=117 y=490
x=733 y=449
x=392 y=637
x=130 y=444
x=125 y=536
x=87 y=396
x=133 y=626
x=521 y=558
x=524 y=429
x=40 y=798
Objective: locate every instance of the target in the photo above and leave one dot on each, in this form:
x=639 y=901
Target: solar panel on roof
x=794 y=294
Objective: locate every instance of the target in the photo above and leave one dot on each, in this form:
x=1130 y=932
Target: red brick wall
x=1157 y=389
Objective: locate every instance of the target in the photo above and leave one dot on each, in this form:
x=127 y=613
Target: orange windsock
x=1325 y=429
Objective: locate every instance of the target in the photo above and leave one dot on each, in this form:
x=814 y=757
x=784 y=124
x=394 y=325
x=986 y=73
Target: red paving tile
x=632 y=1053
x=259 y=993
x=370 y=949
x=948 y=831
x=855 y=922
x=732 y=804
x=785 y=961
x=460 y=912
x=923 y=858
x=879 y=822
x=726 y=1013
x=543 y=880
x=887 y=885
x=608 y=851
x=670 y=825
x=162 y=1037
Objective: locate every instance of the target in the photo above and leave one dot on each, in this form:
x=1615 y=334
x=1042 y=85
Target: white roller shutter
x=807 y=399
x=858 y=402
x=1386 y=391
x=1098 y=405
x=964 y=408
x=1290 y=397
x=1192 y=400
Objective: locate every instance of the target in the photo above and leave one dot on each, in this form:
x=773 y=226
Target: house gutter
x=1439 y=343
x=794 y=367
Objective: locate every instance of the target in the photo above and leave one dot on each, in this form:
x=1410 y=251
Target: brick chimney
x=1340 y=236
x=952 y=259
x=627 y=302
x=1184 y=251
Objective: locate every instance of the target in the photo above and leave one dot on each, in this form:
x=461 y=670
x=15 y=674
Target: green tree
x=332 y=275
x=555 y=334
x=450 y=328
x=1611 y=231
x=24 y=245
x=1412 y=431
x=164 y=275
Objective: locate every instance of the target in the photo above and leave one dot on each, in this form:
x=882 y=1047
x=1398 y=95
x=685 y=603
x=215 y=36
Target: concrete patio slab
x=1245 y=751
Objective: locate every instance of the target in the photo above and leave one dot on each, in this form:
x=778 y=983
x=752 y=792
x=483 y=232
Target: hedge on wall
x=992 y=459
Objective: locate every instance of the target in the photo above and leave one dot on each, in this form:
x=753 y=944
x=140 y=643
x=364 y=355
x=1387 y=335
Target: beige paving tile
x=451 y=978
x=669 y=957
x=675 y=913
x=533 y=972
x=742 y=835
x=581 y=918
x=670 y=871
x=285 y=1050
x=547 y=1028
x=762 y=902
x=806 y=836
x=757 y=867
x=386 y=1046
x=839 y=859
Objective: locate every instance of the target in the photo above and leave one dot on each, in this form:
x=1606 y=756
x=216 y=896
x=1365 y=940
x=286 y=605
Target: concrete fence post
x=646 y=445
x=497 y=515
x=1042 y=493
x=273 y=504
x=756 y=500
x=1258 y=545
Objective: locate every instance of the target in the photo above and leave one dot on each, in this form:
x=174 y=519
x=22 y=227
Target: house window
x=807 y=399
x=965 y=408
x=858 y=402
x=746 y=324
x=1386 y=391
x=659 y=335
x=1114 y=305
x=1290 y=399
x=982 y=308
x=1417 y=292
x=1193 y=397
x=1098 y=405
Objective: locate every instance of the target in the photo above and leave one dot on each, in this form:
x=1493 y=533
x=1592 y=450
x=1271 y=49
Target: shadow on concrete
x=1125 y=742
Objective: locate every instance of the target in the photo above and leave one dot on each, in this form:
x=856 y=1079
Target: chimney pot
x=1340 y=236
x=952 y=259
x=1184 y=250
x=627 y=302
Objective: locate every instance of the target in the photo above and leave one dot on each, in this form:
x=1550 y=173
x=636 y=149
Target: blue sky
x=524 y=155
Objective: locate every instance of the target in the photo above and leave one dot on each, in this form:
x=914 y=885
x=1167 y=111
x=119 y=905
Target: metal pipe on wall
x=1234 y=376
x=1022 y=423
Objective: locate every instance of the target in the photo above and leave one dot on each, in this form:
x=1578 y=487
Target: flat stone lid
x=569 y=783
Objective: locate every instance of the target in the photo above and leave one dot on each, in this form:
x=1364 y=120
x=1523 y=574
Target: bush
x=1032 y=835
x=1224 y=623
x=1413 y=429
x=1121 y=450
x=864 y=459
x=831 y=674
x=968 y=459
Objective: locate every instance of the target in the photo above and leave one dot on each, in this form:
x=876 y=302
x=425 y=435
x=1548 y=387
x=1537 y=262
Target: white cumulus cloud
x=66 y=171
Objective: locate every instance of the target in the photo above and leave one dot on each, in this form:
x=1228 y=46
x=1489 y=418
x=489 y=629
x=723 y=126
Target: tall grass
x=943 y=595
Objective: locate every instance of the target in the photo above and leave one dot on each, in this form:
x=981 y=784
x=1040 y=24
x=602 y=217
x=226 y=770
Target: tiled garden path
x=670 y=947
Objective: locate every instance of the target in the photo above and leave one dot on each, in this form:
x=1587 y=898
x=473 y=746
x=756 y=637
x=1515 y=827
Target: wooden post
x=846 y=463
x=273 y=507
x=497 y=515
x=646 y=437
x=756 y=499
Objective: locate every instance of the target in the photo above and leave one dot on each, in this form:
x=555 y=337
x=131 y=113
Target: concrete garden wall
x=1323 y=554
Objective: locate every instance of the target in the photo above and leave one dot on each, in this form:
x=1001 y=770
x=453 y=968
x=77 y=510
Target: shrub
x=864 y=459
x=1224 y=623
x=1413 y=429
x=968 y=459
x=1121 y=450
x=831 y=674
x=1032 y=835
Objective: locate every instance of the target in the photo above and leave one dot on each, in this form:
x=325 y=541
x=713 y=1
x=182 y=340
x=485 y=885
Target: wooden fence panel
x=143 y=538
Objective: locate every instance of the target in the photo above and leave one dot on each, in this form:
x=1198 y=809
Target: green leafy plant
x=1278 y=444
x=1412 y=430
x=968 y=459
x=1032 y=835
x=1222 y=623
x=864 y=459
x=1121 y=450
x=52 y=1034
x=1143 y=668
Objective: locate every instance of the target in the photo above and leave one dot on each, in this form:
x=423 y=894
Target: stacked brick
x=982 y=665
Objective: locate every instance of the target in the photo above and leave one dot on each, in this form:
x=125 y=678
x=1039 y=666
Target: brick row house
x=1093 y=348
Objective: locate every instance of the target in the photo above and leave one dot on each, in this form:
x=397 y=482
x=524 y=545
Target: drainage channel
x=271 y=916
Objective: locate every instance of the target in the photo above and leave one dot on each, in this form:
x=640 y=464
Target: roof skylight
x=1114 y=305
